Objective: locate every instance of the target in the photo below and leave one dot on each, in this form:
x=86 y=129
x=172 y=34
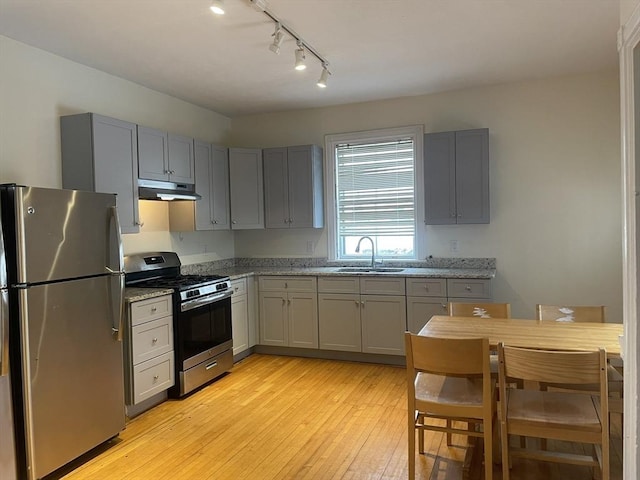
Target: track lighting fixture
x=217 y=7
x=300 y=57
x=278 y=38
x=322 y=81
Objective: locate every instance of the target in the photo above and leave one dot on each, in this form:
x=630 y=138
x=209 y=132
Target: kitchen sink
x=368 y=269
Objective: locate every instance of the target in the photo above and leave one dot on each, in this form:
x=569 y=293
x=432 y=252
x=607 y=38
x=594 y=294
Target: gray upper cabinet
x=246 y=188
x=100 y=154
x=456 y=177
x=165 y=156
x=293 y=192
x=211 y=212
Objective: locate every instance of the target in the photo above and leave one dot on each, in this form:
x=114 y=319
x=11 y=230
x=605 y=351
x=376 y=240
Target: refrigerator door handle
x=119 y=312
x=4 y=333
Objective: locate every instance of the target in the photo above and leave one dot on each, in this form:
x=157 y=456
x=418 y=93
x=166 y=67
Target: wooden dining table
x=546 y=334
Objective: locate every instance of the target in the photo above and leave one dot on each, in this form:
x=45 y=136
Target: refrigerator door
x=7 y=443
x=64 y=234
x=72 y=370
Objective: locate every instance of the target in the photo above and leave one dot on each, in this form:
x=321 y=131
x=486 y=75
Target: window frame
x=416 y=133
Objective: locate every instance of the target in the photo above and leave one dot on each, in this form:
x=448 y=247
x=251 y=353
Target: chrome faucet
x=373 y=250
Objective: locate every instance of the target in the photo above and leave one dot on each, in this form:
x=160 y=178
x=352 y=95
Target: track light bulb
x=322 y=81
x=278 y=38
x=300 y=65
x=217 y=7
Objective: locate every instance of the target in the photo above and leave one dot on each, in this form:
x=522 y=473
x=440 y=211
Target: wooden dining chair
x=449 y=379
x=572 y=416
x=595 y=314
x=480 y=310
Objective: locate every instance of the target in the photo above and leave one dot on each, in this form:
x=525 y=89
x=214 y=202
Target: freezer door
x=72 y=370
x=64 y=234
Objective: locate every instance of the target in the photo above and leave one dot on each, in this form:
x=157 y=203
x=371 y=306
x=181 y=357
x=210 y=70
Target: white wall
x=37 y=87
x=555 y=182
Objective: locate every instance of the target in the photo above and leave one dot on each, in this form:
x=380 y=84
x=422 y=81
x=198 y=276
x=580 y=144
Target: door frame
x=628 y=40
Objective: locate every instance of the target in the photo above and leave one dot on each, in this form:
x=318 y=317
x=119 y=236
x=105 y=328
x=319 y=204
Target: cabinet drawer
x=426 y=287
x=339 y=284
x=382 y=286
x=151 y=339
x=239 y=286
x=469 y=288
x=150 y=309
x=293 y=284
x=153 y=376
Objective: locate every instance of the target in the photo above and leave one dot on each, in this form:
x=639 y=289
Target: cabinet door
x=383 y=324
x=245 y=179
x=472 y=176
x=153 y=154
x=273 y=319
x=305 y=194
x=276 y=188
x=303 y=320
x=115 y=151
x=339 y=322
x=239 y=323
x=421 y=309
x=204 y=179
x=439 y=178
x=181 y=165
x=220 y=187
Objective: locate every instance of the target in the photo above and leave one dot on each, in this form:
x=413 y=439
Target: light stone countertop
x=135 y=294
x=241 y=272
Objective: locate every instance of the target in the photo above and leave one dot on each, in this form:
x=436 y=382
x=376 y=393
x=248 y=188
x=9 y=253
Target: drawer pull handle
x=154 y=309
x=154 y=340
x=155 y=378
x=211 y=365
x=467 y=288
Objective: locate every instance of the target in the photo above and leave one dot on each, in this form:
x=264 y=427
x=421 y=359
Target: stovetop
x=182 y=282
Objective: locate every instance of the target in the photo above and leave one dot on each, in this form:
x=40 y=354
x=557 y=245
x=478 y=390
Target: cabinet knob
x=453 y=215
x=357 y=303
x=467 y=288
x=154 y=341
x=234 y=222
x=154 y=309
x=139 y=223
x=459 y=215
x=155 y=378
x=362 y=304
x=444 y=306
x=284 y=301
x=289 y=302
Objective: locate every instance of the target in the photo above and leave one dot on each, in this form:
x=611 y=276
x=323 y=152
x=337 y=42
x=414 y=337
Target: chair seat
x=530 y=407
x=448 y=390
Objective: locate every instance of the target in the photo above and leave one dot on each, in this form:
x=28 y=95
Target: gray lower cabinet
x=240 y=316
x=165 y=156
x=288 y=311
x=148 y=349
x=211 y=212
x=293 y=188
x=246 y=188
x=456 y=177
x=100 y=154
x=362 y=314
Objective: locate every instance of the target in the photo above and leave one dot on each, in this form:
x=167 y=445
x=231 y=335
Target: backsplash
x=440 y=262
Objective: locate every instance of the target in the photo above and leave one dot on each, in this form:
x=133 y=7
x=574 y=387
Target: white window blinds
x=375 y=189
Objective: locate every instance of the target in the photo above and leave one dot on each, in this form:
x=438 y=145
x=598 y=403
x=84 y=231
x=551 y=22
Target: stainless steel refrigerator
x=65 y=304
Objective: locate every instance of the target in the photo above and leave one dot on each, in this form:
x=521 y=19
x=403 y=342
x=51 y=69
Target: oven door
x=204 y=329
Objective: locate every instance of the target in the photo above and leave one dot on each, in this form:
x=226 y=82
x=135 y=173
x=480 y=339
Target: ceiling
x=376 y=49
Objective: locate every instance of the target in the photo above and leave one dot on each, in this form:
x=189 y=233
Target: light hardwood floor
x=292 y=418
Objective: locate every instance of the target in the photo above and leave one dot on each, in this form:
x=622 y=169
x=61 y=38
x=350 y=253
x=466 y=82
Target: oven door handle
x=204 y=300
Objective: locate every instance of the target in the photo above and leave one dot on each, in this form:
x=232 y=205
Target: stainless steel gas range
x=201 y=319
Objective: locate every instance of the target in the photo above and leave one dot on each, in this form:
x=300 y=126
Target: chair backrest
x=447 y=356
x=553 y=367
x=480 y=310
x=560 y=313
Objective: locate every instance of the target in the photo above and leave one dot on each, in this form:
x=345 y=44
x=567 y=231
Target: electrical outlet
x=453 y=246
x=309 y=246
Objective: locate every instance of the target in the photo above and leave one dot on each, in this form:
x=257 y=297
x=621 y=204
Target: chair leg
x=449 y=434
x=504 y=439
x=421 y=434
x=411 y=434
x=488 y=449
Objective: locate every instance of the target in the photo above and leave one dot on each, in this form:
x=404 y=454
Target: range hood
x=157 y=190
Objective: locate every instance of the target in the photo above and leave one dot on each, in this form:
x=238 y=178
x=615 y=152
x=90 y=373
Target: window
x=371 y=183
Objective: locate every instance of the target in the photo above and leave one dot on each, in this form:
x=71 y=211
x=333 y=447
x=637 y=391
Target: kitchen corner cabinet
x=148 y=349
x=211 y=212
x=100 y=154
x=165 y=156
x=246 y=188
x=456 y=177
x=362 y=314
x=288 y=311
x=240 y=316
x=293 y=192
